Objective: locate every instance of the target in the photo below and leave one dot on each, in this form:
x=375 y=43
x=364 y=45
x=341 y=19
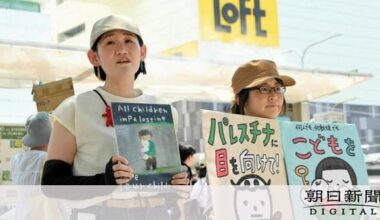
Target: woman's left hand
x=180 y=179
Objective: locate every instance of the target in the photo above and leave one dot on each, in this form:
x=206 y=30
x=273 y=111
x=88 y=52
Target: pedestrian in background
x=26 y=167
x=186 y=153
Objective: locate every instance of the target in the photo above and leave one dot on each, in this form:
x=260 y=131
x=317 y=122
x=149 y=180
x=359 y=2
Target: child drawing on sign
x=335 y=172
x=148 y=148
x=254 y=199
x=332 y=174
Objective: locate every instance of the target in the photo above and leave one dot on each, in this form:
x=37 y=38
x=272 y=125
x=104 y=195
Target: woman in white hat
x=259 y=89
x=83 y=148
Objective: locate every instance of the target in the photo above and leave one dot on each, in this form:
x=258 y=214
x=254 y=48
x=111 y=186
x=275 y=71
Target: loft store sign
x=247 y=21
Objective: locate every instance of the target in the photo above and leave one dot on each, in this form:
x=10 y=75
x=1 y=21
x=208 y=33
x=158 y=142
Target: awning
x=22 y=64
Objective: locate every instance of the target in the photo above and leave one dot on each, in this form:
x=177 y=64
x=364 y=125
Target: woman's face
x=264 y=105
x=119 y=53
x=190 y=161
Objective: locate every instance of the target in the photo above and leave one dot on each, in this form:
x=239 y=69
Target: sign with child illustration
x=246 y=153
x=146 y=137
x=328 y=162
x=328 y=153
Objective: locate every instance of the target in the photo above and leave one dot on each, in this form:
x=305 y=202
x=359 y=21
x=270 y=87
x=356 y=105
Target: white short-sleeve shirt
x=96 y=143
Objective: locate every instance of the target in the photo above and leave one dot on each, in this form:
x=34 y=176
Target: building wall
x=163 y=24
x=21 y=26
x=366 y=119
x=189 y=121
x=25 y=26
x=16 y=105
x=305 y=22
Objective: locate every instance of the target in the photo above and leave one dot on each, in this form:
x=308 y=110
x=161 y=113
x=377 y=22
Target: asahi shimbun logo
x=334 y=192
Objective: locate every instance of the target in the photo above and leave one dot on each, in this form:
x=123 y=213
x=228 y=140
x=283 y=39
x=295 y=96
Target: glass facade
x=366 y=119
x=20 y=5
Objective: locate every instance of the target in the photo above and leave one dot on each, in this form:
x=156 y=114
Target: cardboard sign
x=307 y=146
x=246 y=153
x=146 y=137
x=48 y=96
x=327 y=160
x=238 y=145
x=10 y=144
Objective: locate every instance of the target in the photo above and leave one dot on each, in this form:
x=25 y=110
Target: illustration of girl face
x=336 y=172
x=337 y=178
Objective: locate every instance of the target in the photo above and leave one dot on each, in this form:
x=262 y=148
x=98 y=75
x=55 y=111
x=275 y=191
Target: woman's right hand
x=121 y=171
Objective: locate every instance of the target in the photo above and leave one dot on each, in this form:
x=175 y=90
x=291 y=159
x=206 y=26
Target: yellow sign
x=247 y=21
x=189 y=50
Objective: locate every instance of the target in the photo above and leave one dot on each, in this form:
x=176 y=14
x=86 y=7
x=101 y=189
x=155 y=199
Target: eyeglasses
x=267 y=89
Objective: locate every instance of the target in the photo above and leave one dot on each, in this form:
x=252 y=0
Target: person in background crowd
x=26 y=167
x=186 y=153
x=1 y=173
x=200 y=192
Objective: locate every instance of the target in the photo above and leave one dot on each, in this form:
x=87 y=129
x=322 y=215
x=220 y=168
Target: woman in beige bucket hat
x=259 y=89
x=82 y=148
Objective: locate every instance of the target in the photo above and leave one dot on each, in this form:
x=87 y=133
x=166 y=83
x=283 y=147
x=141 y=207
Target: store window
x=72 y=32
x=58 y=2
x=20 y=5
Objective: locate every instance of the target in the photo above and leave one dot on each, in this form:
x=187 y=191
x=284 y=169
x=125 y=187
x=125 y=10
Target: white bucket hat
x=113 y=22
